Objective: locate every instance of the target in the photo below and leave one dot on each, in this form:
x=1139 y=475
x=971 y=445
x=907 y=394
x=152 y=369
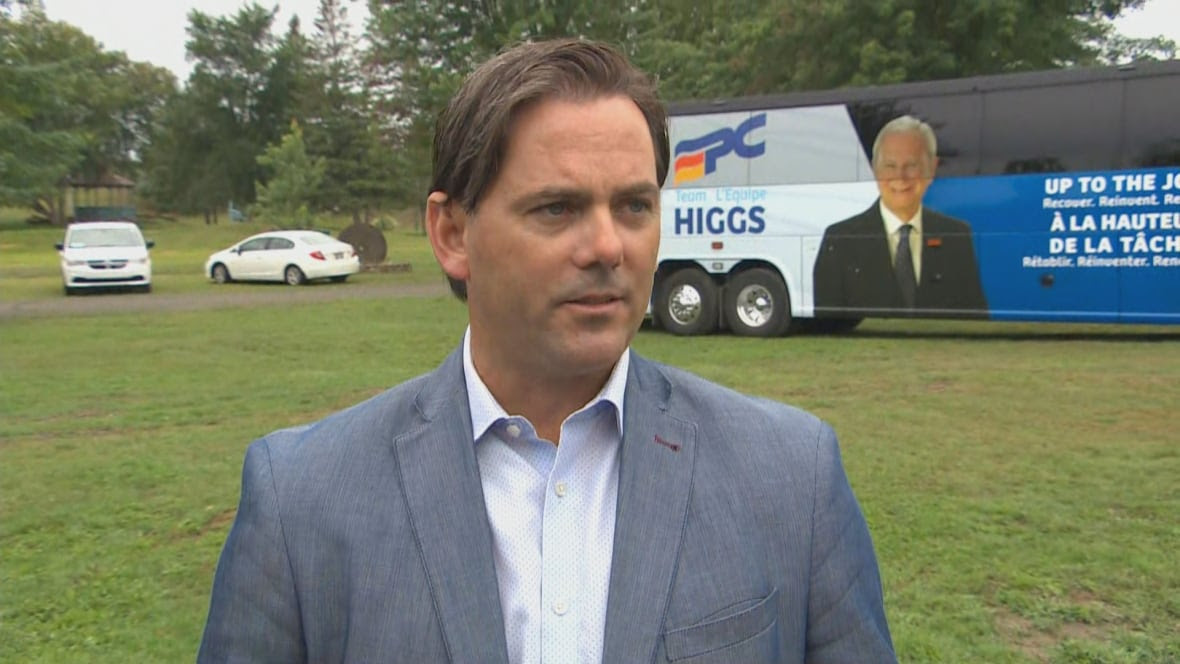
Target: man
x=898 y=257
x=546 y=495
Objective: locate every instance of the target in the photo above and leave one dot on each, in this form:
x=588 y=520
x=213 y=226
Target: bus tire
x=687 y=303
x=756 y=304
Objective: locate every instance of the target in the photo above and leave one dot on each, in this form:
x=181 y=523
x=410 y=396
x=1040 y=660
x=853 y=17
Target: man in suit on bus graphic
x=897 y=257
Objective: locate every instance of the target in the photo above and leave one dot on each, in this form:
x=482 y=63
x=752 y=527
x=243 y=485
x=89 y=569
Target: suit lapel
x=440 y=477
x=877 y=260
x=655 y=481
x=934 y=241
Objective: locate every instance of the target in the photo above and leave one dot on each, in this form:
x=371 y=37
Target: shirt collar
x=486 y=411
x=893 y=222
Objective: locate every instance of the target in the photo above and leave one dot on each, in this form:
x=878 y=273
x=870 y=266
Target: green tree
x=696 y=49
x=185 y=164
x=285 y=198
x=782 y=45
x=420 y=50
x=339 y=122
x=713 y=48
x=238 y=99
x=68 y=109
x=37 y=147
x=233 y=57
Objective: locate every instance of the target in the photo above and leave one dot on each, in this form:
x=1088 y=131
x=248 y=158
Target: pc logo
x=697 y=157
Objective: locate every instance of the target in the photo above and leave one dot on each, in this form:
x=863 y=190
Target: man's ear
x=446 y=225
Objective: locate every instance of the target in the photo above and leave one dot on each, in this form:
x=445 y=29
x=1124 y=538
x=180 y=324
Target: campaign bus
x=1056 y=197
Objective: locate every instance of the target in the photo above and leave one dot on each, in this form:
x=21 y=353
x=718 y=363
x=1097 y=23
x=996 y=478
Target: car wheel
x=293 y=275
x=756 y=304
x=687 y=303
x=340 y=278
x=221 y=274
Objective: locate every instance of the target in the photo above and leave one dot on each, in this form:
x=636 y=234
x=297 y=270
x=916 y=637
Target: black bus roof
x=936 y=88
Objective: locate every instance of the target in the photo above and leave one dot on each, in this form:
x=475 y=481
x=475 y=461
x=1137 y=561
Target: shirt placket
x=561 y=544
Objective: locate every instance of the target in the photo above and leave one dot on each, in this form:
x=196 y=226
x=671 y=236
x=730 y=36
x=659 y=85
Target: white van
x=105 y=254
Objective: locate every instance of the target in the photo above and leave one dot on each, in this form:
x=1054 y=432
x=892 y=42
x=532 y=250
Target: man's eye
x=555 y=209
x=638 y=206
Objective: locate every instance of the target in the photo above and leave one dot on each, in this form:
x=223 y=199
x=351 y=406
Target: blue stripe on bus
x=1092 y=246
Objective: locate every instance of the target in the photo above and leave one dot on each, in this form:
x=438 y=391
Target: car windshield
x=104 y=237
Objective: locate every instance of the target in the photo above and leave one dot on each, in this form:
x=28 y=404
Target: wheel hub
x=684 y=305
x=755 y=306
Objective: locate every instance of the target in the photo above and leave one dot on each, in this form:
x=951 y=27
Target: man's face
x=561 y=251
x=904 y=170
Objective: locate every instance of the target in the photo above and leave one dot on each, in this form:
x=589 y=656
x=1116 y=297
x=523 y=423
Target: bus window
x=955 y=120
x=1041 y=129
x=1151 y=133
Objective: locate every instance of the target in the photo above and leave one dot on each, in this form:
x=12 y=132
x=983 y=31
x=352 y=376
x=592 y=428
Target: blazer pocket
x=751 y=627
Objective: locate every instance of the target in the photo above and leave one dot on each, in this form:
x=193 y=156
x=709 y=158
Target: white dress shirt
x=552 y=515
x=893 y=225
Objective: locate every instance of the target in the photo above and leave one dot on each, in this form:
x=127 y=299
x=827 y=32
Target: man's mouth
x=596 y=299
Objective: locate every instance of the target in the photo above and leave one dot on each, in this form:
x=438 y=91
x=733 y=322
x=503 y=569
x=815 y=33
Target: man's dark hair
x=472 y=132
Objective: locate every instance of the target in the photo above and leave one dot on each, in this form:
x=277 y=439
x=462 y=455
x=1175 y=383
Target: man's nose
x=601 y=243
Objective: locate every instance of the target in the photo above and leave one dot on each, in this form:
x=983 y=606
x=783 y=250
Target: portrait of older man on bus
x=898 y=257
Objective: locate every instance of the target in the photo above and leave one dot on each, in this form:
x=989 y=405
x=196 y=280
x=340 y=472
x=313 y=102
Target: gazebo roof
x=104 y=181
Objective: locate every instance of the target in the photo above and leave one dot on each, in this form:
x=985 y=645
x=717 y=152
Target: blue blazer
x=364 y=537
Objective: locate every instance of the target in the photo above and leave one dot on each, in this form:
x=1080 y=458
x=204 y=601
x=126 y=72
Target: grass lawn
x=29 y=264
x=1022 y=481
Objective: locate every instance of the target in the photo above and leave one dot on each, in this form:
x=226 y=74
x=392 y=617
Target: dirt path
x=219 y=297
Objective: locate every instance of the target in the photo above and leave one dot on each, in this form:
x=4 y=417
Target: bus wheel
x=756 y=304
x=687 y=303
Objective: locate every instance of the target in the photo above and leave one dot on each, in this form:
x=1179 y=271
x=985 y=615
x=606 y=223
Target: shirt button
x=514 y=430
x=560 y=608
x=559 y=489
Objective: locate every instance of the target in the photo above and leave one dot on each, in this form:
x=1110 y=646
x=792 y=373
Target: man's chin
x=902 y=210
x=594 y=352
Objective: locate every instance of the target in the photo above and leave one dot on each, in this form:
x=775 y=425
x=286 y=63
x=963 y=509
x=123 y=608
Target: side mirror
x=59 y=246
x=149 y=244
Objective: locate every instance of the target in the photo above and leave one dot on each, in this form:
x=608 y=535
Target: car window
x=256 y=244
x=316 y=238
x=104 y=237
x=279 y=243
